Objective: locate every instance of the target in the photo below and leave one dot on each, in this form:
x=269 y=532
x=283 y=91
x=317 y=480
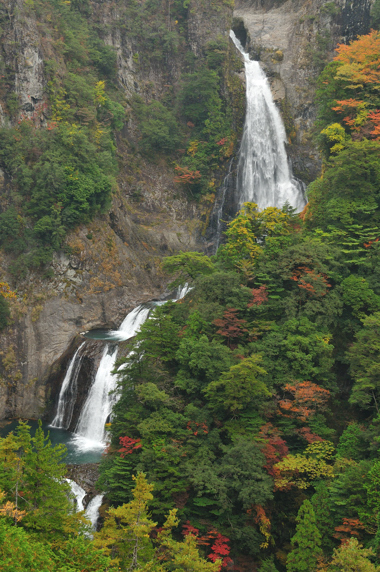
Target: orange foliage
x=374 y=117
x=5 y=291
x=194 y=427
x=259 y=296
x=360 y=66
x=306 y=434
x=230 y=326
x=349 y=528
x=307 y=399
x=315 y=283
x=186 y=177
x=264 y=523
x=361 y=59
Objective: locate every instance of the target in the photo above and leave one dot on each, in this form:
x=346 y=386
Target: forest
x=247 y=431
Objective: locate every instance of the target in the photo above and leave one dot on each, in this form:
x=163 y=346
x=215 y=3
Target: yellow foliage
x=100 y=97
x=300 y=470
x=336 y=134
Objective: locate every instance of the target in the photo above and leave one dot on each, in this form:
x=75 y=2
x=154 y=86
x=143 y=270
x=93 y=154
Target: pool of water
x=79 y=450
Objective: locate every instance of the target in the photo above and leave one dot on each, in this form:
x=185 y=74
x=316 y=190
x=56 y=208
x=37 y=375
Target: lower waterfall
x=67 y=394
x=90 y=433
x=92 y=511
x=264 y=175
x=79 y=494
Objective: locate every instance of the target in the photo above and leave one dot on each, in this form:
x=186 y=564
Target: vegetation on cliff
x=248 y=417
x=62 y=160
x=252 y=405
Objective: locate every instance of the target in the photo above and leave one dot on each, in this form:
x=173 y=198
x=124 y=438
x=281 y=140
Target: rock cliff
x=113 y=263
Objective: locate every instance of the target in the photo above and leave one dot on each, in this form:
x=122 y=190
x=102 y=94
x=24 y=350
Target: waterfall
x=79 y=494
x=92 y=510
x=264 y=176
x=90 y=431
x=219 y=208
x=181 y=292
x=67 y=395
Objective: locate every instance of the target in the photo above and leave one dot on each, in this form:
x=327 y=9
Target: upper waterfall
x=264 y=176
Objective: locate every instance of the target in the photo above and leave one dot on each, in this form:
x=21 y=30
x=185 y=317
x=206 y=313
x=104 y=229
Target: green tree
x=364 y=358
x=187 y=266
x=240 y=386
x=306 y=543
x=352 y=557
x=126 y=536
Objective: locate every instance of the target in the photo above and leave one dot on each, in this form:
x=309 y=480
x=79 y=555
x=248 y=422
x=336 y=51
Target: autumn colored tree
x=127 y=537
x=230 y=326
x=307 y=399
x=248 y=233
x=129 y=445
x=306 y=543
x=274 y=449
x=302 y=470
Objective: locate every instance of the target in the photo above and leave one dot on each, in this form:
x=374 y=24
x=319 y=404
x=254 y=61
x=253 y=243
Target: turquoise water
x=79 y=451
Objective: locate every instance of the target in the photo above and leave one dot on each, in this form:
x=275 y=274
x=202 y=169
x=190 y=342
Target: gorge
x=189 y=301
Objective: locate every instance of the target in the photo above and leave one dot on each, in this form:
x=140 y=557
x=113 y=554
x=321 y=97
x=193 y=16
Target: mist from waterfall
x=263 y=174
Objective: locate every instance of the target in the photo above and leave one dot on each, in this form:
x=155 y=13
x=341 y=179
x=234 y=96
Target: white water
x=64 y=415
x=264 y=176
x=79 y=494
x=181 y=292
x=90 y=432
x=92 y=510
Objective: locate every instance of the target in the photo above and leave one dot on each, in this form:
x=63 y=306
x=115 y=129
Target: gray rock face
x=27 y=61
x=114 y=262
x=293 y=41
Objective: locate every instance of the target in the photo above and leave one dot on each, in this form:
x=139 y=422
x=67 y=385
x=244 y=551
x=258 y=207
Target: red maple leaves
x=217 y=542
x=129 y=445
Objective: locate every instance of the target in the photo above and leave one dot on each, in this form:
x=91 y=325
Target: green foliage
x=352 y=557
x=375 y=15
x=306 y=542
x=4 y=312
x=187 y=266
x=159 y=127
x=364 y=356
x=240 y=386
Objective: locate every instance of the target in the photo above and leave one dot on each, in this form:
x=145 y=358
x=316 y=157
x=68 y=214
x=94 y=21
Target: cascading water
x=263 y=174
x=67 y=394
x=79 y=494
x=90 y=432
x=92 y=510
